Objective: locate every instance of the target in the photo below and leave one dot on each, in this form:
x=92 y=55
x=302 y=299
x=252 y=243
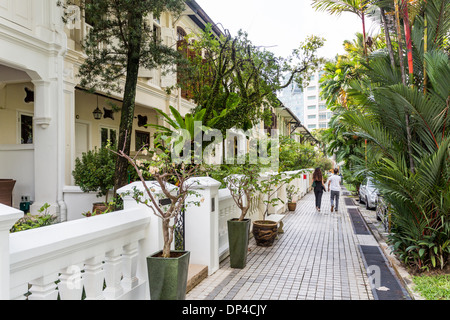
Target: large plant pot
x=265 y=232
x=238 y=232
x=99 y=208
x=6 y=188
x=168 y=276
x=292 y=206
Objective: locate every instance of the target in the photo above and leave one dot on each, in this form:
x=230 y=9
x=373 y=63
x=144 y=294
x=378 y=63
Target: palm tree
x=380 y=101
x=420 y=197
x=357 y=7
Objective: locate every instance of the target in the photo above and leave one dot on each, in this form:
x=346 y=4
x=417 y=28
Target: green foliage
x=242 y=181
x=29 y=221
x=436 y=287
x=294 y=156
x=94 y=172
x=236 y=81
x=398 y=129
x=270 y=184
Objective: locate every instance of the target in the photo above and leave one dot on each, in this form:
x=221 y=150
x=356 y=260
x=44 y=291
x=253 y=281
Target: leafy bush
x=95 y=171
x=34 y=221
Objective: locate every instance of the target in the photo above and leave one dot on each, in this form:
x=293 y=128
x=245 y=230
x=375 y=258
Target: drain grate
x=358 y=224
x=385 y=285
x=349 y=202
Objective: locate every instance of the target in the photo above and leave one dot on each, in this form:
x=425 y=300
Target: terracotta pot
x=292 y=206
x=6 y=188
x=265 y=232
x=99 y=208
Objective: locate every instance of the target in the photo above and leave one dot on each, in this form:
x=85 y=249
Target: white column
x=202 y=223
x=45 y=141
x=8 y=216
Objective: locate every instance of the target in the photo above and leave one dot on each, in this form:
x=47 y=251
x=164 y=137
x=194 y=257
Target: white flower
x=153 y=170
x=145 y=152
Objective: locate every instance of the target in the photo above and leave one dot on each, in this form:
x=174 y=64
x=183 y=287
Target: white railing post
x=113 y=274
x=44 y=288
x=70 y=286
x=202 y=223
x=130 y=261
x=8 y=216
x=93 y=278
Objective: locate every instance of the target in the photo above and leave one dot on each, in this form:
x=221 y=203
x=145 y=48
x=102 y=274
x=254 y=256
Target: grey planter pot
x=238 y=232
x=168 y=276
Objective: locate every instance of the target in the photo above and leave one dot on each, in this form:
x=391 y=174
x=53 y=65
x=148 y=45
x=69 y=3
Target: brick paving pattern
x=317 y=258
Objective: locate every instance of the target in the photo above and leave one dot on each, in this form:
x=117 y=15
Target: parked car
x=368 y=193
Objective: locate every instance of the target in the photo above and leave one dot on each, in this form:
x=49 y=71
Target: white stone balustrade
x=104 y=257
x=105 y=247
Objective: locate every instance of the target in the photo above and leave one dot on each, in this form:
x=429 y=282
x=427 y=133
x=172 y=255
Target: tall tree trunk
x=388 y=38
x=363 y=19
x=408 y=41
x=126 y=120
x=425 y=50
x=402 y=69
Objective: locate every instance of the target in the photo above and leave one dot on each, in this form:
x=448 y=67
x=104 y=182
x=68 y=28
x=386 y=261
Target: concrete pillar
x=8 y=216
x=45 y=145
x=202 y=223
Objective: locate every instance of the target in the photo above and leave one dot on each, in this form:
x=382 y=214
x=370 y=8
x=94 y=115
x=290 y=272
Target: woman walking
x=318 y=187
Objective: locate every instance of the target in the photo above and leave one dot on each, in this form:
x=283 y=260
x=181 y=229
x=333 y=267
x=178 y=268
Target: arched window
x=181 y=34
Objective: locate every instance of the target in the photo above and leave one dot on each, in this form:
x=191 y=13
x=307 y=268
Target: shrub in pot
x=265 y=231
x=94 y=172
x=290 y=191
x=242 y=185
x=168 y=269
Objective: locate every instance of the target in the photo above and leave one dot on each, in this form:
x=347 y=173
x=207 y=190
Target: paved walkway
x=317 y=258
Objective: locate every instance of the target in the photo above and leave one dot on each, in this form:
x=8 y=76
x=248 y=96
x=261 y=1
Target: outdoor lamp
x=97 y=112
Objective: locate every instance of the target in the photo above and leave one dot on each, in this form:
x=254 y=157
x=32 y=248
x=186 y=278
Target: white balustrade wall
x=87 y=253
x=104 y=257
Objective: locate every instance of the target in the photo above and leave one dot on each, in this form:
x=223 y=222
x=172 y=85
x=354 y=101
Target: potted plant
x=167 y=269
x=242 y=186
x=266 y=231
x=290 y=191
x=94 y=172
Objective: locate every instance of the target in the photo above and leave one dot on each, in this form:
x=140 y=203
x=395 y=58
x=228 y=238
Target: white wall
x=17 y=162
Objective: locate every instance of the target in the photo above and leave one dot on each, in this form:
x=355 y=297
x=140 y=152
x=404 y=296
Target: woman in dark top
x=318 y=187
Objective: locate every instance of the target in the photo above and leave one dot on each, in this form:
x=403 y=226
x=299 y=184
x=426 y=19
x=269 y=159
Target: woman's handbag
x=314 y=184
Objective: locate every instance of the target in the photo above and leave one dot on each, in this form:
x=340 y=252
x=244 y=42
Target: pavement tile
x=316 y=258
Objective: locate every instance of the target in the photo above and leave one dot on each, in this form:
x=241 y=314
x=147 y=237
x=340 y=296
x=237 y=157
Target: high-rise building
x=292 y=97
x=306 y=103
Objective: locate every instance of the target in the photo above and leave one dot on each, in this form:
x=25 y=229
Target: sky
x=282 y=24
